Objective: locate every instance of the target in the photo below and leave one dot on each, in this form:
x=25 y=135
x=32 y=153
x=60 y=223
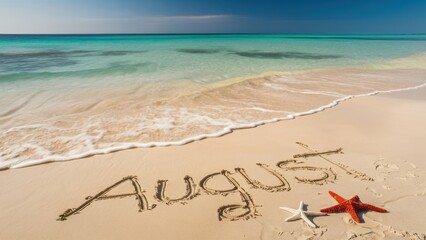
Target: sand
x=189 y=191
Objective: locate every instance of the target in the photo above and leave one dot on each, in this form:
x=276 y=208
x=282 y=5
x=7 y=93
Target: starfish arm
x=290 y=210
x=334 y=209
x=294 y=217
x=301 y=206
x=369 y=207
x=315 y=213
x=338 y=198
x=351 y=210
x=354 y=199
x=306 y=219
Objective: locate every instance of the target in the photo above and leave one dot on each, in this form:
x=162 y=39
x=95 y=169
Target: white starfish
x=301 y=214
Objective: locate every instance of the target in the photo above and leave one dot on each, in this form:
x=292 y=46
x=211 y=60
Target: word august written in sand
x=241 y=211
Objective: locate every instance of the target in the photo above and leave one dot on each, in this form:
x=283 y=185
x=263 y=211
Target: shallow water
x=64 y=97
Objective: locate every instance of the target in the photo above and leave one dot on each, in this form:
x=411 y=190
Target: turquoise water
x=63 y=97
x=198 y=58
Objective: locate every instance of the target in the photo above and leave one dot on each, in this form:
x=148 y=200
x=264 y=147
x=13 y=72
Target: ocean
x=64 y=97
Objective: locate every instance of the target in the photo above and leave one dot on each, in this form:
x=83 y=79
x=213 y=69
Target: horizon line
x=212 y=33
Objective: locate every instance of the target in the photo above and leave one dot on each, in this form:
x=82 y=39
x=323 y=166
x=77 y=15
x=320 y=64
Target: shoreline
x=221 y=133
x=44 y=151
x=381 y=136
x=90 y=128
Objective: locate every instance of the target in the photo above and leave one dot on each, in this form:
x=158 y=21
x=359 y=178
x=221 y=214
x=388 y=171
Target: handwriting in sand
x=247 y=208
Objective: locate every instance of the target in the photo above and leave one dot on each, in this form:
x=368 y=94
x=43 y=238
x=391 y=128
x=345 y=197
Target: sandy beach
x=212 y=120
x=231 y=187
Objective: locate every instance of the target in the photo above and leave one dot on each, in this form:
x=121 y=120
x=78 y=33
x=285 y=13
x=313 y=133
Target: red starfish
x=351 y=206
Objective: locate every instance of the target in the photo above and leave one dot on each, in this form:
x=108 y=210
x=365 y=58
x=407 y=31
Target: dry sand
x=383 y=137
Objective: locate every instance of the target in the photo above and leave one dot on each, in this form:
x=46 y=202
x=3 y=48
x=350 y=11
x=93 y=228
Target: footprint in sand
x=384 y=166
x=374 y=192
x=405 y=172
x=412 y=165
x=408 y=176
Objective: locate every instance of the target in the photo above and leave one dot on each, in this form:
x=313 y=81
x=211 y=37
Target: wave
x=224 y=131
x=145 y=118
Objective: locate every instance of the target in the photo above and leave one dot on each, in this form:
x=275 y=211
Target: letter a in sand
x=138 y=193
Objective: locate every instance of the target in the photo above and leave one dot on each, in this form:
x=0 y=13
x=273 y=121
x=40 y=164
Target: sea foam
x=68 y=97
x=177 y=119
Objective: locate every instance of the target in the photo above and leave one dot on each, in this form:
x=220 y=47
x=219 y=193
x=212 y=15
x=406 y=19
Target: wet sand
x=231 y=187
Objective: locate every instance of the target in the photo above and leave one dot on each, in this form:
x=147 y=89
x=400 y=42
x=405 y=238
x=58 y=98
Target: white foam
x=226 y=130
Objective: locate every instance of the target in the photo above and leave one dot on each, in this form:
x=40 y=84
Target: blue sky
x=206 y=16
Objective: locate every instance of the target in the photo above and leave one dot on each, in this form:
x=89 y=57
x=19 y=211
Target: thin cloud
x=192 y=17
x=165 y=18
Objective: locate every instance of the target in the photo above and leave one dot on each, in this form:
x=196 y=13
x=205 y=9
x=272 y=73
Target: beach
x=231 y=187
x=73 y=96
x=212 y=120
x=219 y=136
